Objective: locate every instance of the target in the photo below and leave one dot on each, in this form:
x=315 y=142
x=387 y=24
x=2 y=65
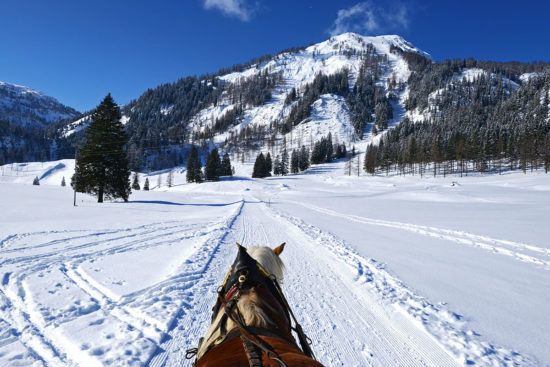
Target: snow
x=525 y=77
x=83 y=123
x=124 y=119
x=380 y=270
x=76 y=126
x=20 y=89
x=299 y=69
x=166 y=109
x=328 y=114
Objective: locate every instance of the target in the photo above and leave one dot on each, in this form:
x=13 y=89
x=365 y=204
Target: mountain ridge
x=274 y=101
x=28 y=107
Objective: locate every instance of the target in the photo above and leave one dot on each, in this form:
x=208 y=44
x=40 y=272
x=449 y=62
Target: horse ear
x=277 y=250
x=239 y=245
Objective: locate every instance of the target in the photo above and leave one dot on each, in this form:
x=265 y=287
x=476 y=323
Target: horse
x=251 y=322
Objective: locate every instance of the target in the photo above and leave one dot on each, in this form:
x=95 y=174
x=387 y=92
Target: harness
x=244 y=274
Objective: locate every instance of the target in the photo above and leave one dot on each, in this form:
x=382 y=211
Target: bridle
x=244 y=275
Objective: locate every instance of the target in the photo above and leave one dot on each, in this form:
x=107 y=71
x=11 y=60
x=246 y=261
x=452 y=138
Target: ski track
x=21 y=318
x=442 y=326
x=365 y=332
x=372 y=317
x=487 y=243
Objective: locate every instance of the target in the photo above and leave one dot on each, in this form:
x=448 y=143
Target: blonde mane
x=250 y=305
x=268 y=260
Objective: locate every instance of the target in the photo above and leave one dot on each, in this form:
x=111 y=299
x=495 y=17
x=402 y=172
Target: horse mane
x=268 y=260
x=250 y=305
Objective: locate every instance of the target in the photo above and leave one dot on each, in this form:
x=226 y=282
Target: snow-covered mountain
x=298 y=69
x=351 y=86
x=247 y=107
x=30 y=108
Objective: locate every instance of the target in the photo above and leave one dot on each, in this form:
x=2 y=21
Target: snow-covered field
x=381 y=271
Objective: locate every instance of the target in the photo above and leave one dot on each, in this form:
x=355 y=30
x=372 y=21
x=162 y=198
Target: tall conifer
x=102 y=164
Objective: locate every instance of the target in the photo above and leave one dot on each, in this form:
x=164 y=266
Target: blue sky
x=78 y=51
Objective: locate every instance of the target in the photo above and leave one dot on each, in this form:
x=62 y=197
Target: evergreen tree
x=159 y=181
x=102 y=163
x=329 y=148
x=194 y=166
x=268 y=164
x=294 y=162
x=260 y=167
x=135 y=182
x=63 y=181
x=304 y=158
x=283 y=167
x=146 y=184
x=213 y=165
x=36 y=181
x=277 y=166
x=226 y=169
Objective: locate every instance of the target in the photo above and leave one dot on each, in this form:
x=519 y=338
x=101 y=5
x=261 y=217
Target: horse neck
x=255 y=311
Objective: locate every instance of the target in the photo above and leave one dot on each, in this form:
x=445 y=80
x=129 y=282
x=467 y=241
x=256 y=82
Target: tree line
x=299 y=160
x=214 y=168
x=481 y=125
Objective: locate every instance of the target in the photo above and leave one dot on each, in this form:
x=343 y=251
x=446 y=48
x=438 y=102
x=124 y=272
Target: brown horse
x=251 y=321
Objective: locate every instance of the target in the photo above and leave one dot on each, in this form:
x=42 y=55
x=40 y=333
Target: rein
x=254 y=346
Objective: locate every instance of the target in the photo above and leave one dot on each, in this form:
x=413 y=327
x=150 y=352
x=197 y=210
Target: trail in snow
x=529 y=253
x=64 y=299
x=370 y=318
x=48 y=296
x=361 y=331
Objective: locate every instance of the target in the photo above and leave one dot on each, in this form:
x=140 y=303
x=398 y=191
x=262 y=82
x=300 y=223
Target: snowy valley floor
x=381 y=271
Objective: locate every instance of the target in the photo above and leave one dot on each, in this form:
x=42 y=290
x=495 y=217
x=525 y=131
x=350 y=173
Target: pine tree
x=304 y=158
x=260 y=167
x=63 y=181
x=102 y=163
x=36 y=181
x=226 y=169
x=135 y=182
x=329 y=151
x=212 y=167
x=194 y=166
x=294 y=162
x=159 y=181
x=146 y=184
x=284 y=163
x=268 y=164
x=277 y=166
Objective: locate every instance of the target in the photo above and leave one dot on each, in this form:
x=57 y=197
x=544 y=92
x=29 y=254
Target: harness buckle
x=220 y=339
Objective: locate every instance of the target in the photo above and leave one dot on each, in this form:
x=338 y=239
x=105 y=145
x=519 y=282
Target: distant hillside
x=27 y=117
x=362 y=90
x=26 y=107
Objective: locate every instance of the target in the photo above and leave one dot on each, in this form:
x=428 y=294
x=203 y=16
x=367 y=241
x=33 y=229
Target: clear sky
x=78 y=51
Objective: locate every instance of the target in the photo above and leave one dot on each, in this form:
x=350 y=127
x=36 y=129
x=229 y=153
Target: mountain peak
x=20 y=89
x=382 y=43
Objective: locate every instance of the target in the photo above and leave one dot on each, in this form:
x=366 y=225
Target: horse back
x=231 y=354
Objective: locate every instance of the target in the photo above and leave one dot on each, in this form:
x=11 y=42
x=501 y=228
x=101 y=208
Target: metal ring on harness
x=220 y=339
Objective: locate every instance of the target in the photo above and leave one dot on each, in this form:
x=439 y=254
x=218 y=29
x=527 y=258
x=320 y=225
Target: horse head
x=251 y=305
